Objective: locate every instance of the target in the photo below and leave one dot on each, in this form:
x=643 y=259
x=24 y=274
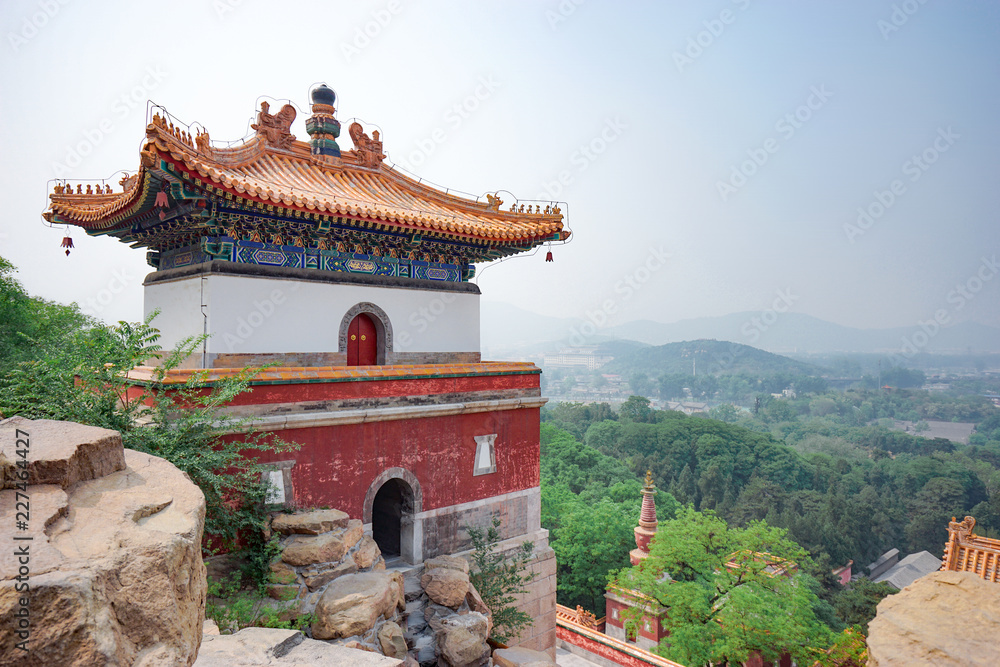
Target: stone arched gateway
x=383 y=328
x=392 y=503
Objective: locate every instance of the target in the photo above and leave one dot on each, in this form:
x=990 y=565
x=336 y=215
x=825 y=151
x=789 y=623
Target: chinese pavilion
x=353 y=280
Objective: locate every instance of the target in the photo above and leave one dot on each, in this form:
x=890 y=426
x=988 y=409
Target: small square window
x=279 y=477
x=486 y=460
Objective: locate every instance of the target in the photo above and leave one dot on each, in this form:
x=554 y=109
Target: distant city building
x=589 y=362
x=687 y=407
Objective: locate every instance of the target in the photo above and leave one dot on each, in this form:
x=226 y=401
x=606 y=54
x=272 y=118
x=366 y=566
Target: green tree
x=636 y=409
x=726 y=413
x=640 y=384
x=592 y=540
x=500 y=579
x=725 y=595
x=856 y=605
x=88 y=381
x=939 y=499
x=672 y=386
x=30 y=327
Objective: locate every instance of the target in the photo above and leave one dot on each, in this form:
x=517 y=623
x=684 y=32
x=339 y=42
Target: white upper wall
x=247 y=314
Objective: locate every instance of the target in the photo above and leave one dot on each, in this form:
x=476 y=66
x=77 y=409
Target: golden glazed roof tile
x=335 y=373
x=292 y=178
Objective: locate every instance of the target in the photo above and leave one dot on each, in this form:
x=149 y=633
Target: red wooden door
x=362 y=342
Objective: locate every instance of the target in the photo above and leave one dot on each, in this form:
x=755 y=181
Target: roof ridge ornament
x=275 y=129
x=369 y=149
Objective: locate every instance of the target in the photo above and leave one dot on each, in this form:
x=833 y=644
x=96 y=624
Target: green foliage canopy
x=721 y=598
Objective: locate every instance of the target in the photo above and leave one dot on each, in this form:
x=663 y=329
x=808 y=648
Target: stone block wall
x=540 y=602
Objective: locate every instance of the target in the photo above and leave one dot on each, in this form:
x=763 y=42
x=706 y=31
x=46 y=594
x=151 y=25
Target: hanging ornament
x=161 y=198
x=548 y=256
x=67 y=243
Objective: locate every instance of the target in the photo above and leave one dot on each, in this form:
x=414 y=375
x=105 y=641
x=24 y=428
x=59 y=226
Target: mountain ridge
x=506 y=326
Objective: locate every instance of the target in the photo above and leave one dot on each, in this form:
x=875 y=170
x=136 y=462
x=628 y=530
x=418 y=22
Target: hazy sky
x=714 y=156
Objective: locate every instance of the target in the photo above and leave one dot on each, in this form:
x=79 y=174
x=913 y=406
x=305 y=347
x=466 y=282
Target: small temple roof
x=275 y=173
x=909 y=569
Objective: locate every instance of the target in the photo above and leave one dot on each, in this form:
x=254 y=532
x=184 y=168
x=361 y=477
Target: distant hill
x=506 y=328
x=708 y=357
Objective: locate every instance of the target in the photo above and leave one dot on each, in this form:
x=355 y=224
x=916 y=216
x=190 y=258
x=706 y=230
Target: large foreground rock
x=462 y=640
x=265 y=646
x=944 y=618
x=114 y=561
x=353 y=603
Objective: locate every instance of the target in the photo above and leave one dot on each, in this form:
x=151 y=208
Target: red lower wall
x=336 y=465
x=599 y=649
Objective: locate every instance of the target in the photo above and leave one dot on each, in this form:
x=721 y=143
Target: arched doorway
x=392 y=519
x=380 y=337
x=362 y=341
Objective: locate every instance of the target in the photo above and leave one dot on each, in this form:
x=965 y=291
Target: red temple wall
x=336 y=465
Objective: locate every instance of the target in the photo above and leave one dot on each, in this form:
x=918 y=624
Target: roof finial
x=322 y=127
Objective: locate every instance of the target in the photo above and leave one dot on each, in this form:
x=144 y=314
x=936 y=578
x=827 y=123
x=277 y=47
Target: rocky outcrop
x=266 y=646
x=432 y=615
x=352 y=604
x=315 y=522
x=447 y=622
x=113 y=551
x=944 y=618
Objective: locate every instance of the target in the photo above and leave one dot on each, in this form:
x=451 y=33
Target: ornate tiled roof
x=183 y=185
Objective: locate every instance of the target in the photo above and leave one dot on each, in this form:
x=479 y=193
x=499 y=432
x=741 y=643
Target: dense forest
x=845 y=487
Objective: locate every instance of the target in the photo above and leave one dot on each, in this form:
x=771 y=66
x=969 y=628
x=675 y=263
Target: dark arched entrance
x=362 y=341
x=392 y=518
